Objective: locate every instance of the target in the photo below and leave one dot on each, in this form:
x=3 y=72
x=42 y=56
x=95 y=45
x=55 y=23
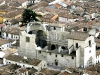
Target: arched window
x=56 y=62
x=53 y=47
x=41 y=38
x=89 y=42
x=76 y=45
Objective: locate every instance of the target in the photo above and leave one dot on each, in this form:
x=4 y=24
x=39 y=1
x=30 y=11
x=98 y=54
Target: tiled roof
x=46 y=71
x=31 y=71
x=7 y=53
x=22 y=1
x=67 y=15
x=22 y=70
x=12 y=14
x=16 y=58
x=56 y=5
x=40 y=4
x=16 y=4
x=78 y=36
x=9 y=69
x=19 y=18
x=10 y=9
x=93 y=68
x=70 y=69
x=97 y=40
x=13 y=30
x=54 y=17
x=1 y=1
x=7 y=1
x=14 y=21
x=4 y=7
x=90 y=72
x=3 y=41
x=64 y=73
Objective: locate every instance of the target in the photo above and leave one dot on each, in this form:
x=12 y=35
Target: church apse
x=41 y=38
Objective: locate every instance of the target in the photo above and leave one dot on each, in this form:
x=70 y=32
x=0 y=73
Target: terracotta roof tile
x=16 y=4
x=22 y=70
x=16 y=58
x=12 y=14
x=42 y=3
x=64 y=73
x=1 y=1
x=78 y=36
x=13 y=30
x=57 y=5
x=31 y=71
x=3 y=7
x=90 y=72
x=4 y=41
x=49 y=72
x=22 y=1
x=54 y=17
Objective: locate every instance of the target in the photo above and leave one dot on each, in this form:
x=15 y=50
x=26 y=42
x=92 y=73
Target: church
x=56 y=46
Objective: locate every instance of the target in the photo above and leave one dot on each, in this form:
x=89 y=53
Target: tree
x=28 y=15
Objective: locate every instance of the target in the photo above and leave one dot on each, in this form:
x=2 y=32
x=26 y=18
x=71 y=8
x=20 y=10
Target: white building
x=28 y=39
x=77 y=51
x=4 y=44
x=73 y=49
x=10 y=33
x=26 y=62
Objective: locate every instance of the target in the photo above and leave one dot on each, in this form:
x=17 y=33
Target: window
x=50 y=53
x=54 y=28
x=11 y=36
x=72 y=57
x=76 y=45
x=40 y=52
x=7 y=34
x=89 y=42
x=62 y=55
x=27 y=39
x=56 y=62
x=89 y=51
x=56 y=55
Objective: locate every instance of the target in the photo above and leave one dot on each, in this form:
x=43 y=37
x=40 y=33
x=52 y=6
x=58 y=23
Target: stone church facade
x=58 y=47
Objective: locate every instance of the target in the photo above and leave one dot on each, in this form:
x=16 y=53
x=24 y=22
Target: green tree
x=28 y=15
